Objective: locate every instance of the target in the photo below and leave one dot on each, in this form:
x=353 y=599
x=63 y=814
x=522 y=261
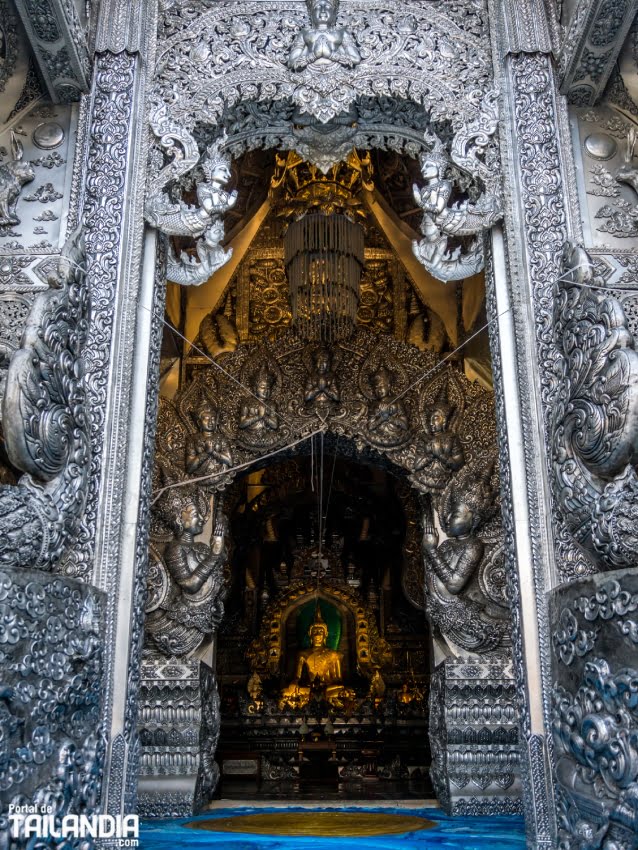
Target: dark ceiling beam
x=593 y=40
x=59 y=43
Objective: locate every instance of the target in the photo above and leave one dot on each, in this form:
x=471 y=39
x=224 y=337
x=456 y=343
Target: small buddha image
x=207 y=451
x=377 y=687
x=258 y=415
x=405 y=695
x=321 y=388
x=409 y=693
x=319 y=665
x=442 y=453
x=388 y=423
x=323 y=42
x=255 y=687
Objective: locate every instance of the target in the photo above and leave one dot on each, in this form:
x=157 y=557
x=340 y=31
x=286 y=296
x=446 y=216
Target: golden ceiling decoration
x=297 y=187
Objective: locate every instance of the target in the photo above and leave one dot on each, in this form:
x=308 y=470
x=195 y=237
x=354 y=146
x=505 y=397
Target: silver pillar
x=122 y=368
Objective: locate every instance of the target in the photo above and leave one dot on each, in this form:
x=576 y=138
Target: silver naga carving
x=595 y=422
x=45 y=422
x=466 y=598
x=14 y=174
x=204 y=221
x=185 y=603
x=443 y=218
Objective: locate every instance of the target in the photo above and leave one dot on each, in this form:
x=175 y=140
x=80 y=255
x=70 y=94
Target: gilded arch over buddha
x=268 y=652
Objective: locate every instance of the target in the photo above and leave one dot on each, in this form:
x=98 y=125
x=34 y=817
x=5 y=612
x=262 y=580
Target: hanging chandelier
x=323 y=243
x=324 y=259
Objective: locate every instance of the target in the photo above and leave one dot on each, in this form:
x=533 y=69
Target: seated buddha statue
x=322 y=667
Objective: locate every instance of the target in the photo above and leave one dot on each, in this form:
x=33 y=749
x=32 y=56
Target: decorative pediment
x=213 y=58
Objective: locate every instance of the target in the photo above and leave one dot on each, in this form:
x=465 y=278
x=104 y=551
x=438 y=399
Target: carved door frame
x=522 y=270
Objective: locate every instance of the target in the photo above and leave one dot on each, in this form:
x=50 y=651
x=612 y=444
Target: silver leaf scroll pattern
x=611 y=602
x=45 y=422
x=261 y=50
x=53 y=745
x=596 y=748
x=595 y=420
x=571 y=642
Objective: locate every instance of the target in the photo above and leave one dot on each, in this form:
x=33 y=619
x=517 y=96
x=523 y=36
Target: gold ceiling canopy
x=298 y=187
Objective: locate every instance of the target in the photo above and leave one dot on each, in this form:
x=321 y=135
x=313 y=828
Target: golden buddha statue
x=323 y=667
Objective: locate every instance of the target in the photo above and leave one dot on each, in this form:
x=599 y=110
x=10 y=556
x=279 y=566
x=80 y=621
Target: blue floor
x=458 y=833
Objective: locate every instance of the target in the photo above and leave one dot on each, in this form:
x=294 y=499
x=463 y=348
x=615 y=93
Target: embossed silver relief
x=595 y=715
x=591 y=45
x=8 y=42
x=180 y=219
x=186 y=604
x=59 y=44
x=467 y=218
x=620 y=219
x=14 y=174
x=475 y=766
x=595 y=424
x=472 y=614
x=45 y=422
x=383 y=50
x=50 y=700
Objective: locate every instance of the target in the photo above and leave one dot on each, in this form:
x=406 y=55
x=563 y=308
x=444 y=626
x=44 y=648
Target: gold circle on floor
x=326 y=824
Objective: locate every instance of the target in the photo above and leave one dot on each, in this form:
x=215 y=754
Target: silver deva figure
x=455 y=606
x=323 y=42
x=207 y=451
x=322 y=389
x=258 y=414
x=388 y=423
x=193 y=607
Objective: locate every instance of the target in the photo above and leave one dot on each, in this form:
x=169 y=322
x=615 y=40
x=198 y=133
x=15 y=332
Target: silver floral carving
x=590 y=47
x=178 y=727
x=103 y=214
x=413 y=53
x=595 y=425
x=598 y=755
x=9 y=37
x=46 y=424
x=60 y=45
x=475 y=766
x=569 y=640
x=53 y=744
x=441 y=218
x=609 y=601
